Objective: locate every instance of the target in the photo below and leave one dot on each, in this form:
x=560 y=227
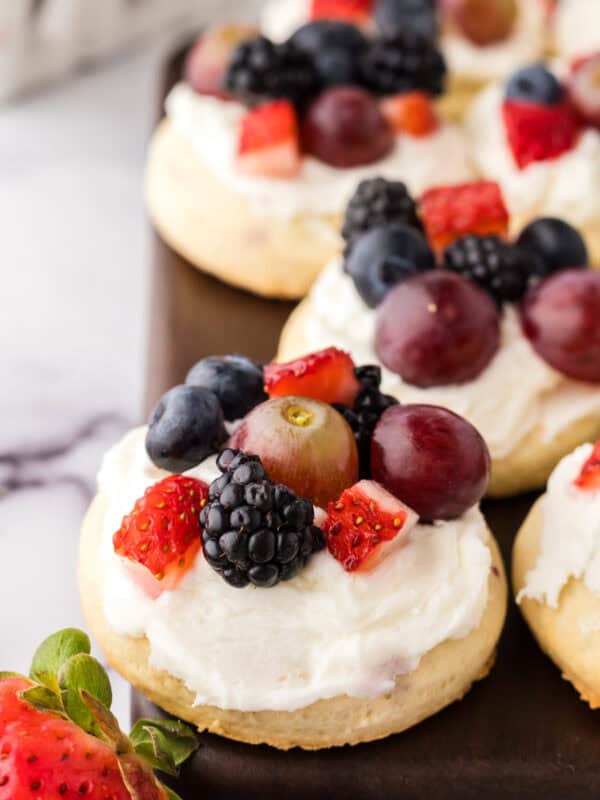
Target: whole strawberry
x=59 y=739
x=160 y=538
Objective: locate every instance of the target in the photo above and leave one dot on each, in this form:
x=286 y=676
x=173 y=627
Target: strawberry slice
x=327 y=375
x=412 y=113
x=538 y=132
x=589 y=477
x=357 y=11
x=269 y=144
x=584 y=89
x=451 y=212
x=160 y=538
x=365 y=525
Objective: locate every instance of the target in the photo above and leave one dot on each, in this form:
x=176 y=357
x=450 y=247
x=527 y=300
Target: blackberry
x=262 y=70
x=253 y=530
x=502 y=269
x=364 y=415
x=402 y=63
x=378 y=202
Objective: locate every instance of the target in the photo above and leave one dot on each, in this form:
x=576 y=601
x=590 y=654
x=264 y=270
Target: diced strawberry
x=365 y=525
x=327 y=375
x=411 y=112
x=451 y=212
x=160 y=538
x=537 y=132
x=589 y=477
x=357 y=11
x=269 y=144
x=209 y=58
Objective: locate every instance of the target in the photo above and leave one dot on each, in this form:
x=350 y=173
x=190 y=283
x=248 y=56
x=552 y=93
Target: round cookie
x=558 y=630
x=524 y=470
x=218 y=229
x=444 y=675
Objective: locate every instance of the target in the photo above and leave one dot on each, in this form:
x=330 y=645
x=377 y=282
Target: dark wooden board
x=522 y=733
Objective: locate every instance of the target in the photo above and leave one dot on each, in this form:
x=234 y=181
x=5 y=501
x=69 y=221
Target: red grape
x=437 y=328
x=561 y=319
x=344 y=127
x=430 y=458
x=304 y=444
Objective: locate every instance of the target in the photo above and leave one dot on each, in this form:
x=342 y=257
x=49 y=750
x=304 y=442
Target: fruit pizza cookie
x=289 y=556
x=556 y=570
x=538 y=136
x=482 y=40
x=502 y=329
x=264 y=143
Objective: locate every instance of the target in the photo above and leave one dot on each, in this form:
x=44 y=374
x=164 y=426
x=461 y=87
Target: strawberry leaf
x=43 y=699
x=5 y=675
x=106 y=723
x=139 y=779
x=54 y=652
x=171 y=794
x=165 y=743
x=84 y=672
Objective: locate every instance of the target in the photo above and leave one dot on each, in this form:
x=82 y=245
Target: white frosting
x=280 y=18
x=323 y=634
x=500 y=59
x=566 y=187
x=577 y=27
x=212 y=125
x=570 y=540
x=516 y=392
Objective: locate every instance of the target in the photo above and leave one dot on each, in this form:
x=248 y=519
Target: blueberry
x=334 y=47
x=394 y=17
x=555 y=244
x=185 y=427
x=535 y=84
x=237 y=381
x=383 y=257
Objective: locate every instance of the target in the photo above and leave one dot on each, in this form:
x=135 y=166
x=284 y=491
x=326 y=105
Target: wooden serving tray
x=522 y=733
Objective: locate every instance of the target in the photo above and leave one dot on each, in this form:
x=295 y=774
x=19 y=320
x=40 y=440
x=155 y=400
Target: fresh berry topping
x=436 y=461
x=584 y=89
x=384 y=256
x=437 y=329
x=335 y=48
x=404 y=63
x=450 y=212
x=379 y=202
x=393 y=17
x=344 y=127
x=254 y=530
x=327 y=375
x=59 y=739
x=365 y=524
x=161 y=536
x=554 y=244
x=261 y=70
x=237 y=381
x=484 y=22
x=589 y=477
x=304 y=444
x=502 y=269
x=560 y=318
x=269 y=143
x=185 y=427
x=412 y=113
x=539 y=132
x=208 y=60
x=356 y=11
x=535 y=84
x=365 y=412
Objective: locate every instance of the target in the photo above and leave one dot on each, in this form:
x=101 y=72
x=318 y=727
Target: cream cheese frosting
x=577 y=27
x=323 y=634
x=212 y=125
x=514 y=394
x=566 y=187
x=280 y=18
x=570 y=540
